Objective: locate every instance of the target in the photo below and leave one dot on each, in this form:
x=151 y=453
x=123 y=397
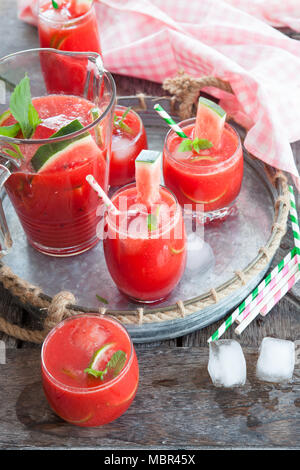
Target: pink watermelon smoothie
x=75 y=395
x=71 y=27
x=56 y=206
x=212 y=177
x=146 y=263
x=125 y=147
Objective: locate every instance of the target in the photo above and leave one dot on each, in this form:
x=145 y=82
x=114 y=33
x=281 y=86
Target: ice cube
x=200 y=256
x=226 y=365
x=122 y=148
x=138 y=227
x=276 y=360
x=88 y=335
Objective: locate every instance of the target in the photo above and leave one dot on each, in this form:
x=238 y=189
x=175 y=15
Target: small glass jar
x=208 y=182
x=68 y=28
x=125 y=147
x=145 y=265
x=75 y=396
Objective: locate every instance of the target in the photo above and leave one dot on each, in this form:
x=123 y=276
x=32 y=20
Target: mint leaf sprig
x=115 y=364
x=22 y=109
x=55 y=5
x=102 y=299
x=197 y=144
x=119 y=122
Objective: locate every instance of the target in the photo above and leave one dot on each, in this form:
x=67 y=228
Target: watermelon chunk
x=210 y=121
x=148 y=175
x=54 y=156
x=100 y=357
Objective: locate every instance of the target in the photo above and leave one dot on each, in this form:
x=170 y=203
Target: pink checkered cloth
x=232 y=40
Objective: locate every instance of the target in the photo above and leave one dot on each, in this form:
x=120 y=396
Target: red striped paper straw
x=271 y=299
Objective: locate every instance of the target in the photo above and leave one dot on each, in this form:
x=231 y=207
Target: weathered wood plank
x=176 y=407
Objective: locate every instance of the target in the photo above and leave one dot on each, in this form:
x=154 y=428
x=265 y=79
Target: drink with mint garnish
x=205 y=169
x=89 y=370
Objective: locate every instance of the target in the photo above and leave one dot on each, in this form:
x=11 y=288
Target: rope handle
x=186 y=89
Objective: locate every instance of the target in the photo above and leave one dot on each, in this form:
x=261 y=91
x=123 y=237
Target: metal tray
x=227 y=248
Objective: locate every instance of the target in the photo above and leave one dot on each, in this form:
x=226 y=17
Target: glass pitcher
x=45 y=175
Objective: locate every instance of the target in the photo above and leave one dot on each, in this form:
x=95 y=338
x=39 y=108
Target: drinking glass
x=74 y=395
x=68 y=30
x=145 y=265
x=211 y=186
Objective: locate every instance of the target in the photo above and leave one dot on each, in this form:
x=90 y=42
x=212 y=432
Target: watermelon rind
x=95 y=112
x=210 y=121
x=148 y=156
x=213 y=106
x=4 y=117
x=98 y=355
x=46 y=154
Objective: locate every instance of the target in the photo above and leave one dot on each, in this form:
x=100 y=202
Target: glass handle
x=5 y=238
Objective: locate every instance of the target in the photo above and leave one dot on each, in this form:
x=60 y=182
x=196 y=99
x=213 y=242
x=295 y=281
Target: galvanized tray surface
x=225 y=249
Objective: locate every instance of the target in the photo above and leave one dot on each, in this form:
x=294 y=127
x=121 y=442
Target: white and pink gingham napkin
x=229 y=39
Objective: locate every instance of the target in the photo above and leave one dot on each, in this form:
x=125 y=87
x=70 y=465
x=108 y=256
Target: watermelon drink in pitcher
x=49 y=154
x=205 y=168
x=128 y=139
x=54 y=203
x=89 y=370
x=68 y=25
x=145 y=242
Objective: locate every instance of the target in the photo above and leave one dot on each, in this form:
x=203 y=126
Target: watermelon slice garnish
x=210 y=121
x=176 y=251
x=95 y=112
x=78 y=421
x=52 y=155
x=125 y=400
x=4 y=117
x=72 y=420
x=98 y=358
x=204 y=202
x=57 y=41
x=148 y=175
x=113 y=367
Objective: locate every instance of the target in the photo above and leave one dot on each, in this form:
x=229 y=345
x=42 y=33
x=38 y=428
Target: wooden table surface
x=176 y=406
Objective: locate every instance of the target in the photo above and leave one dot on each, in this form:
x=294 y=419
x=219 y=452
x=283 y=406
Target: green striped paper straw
x=272 y=297
x=167 y=118
x=282 y=286
x=294 y=219
x=229 y=321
